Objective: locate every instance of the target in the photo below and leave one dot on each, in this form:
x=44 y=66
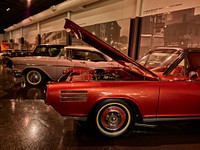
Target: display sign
x=151 y=7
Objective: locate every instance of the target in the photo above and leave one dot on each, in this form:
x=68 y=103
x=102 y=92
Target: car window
x=189 y=63
x=194 y=62
x=180 y=69
x=143 y=60
x=94 y=56
x=78 y=55
x=54 y=51
x=47 y=51
x=161 y=58
x=41 y=51
x=86 y=55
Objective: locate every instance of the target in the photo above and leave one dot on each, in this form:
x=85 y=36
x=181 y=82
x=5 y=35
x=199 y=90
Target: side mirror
x=193 y=75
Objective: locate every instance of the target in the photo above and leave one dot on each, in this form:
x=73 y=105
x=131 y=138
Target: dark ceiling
x=14 y=11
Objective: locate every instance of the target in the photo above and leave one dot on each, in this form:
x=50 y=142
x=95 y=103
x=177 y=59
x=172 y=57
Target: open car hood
x=78 y=32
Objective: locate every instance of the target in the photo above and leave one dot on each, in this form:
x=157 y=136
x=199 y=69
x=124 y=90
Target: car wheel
x=5 y=62
x=113 y=118
x=34 y=77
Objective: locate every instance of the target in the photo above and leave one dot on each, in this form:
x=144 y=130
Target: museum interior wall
x=168 y=23
x=102 y=18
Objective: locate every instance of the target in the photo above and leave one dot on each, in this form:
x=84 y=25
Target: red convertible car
x=163 y=85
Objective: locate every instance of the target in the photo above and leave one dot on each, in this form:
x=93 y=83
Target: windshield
x=159 y=60
x=82 y=54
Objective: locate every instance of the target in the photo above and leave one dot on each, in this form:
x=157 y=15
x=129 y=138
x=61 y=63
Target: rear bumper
x=18 y=77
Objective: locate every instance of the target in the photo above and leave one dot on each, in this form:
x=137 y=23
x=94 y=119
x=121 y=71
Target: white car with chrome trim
x=39 y=69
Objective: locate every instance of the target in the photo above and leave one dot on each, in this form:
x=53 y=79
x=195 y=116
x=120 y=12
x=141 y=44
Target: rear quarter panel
x=143 y=93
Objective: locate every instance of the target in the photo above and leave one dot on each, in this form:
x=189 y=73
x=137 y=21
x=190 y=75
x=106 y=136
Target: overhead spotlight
x=8 y=9
x=53 y=8
x=15 y=25
x=30 y=18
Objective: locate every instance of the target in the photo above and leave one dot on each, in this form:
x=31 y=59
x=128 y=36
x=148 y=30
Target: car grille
x=73 y=96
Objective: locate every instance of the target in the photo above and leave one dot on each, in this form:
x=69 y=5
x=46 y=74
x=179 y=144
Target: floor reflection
x=167 y=136
x=11 y=88
x=28 y=92
x=29 y=125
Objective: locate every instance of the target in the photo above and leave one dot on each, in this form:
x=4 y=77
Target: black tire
x=6 y=62
x=113 y=118
x=34 y=77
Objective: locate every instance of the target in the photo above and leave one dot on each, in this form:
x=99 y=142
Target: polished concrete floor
x=26 y=123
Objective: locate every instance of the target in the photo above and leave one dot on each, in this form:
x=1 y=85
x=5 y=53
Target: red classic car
x=113 y=100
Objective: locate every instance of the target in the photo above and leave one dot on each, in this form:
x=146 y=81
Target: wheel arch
x=132 y=104
x=38 y=69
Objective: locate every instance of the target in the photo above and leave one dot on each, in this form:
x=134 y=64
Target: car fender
x=36 y=68
x=131 y=101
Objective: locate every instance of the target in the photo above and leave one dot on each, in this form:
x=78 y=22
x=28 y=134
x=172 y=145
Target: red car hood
x=80 y=33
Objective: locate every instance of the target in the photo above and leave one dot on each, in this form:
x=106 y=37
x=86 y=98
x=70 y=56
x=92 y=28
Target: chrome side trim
x=75 y=118
x=40 y=65
x=145 y=125
x=73 y=96
x=162 y=119
x=146 y=120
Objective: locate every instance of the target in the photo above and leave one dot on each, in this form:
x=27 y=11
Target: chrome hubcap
x=34 y=77
x=113 y=118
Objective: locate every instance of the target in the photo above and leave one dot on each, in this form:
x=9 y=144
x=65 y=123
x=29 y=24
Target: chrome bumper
x=17 y=74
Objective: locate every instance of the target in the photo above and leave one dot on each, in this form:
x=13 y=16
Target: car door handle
x=82 y=62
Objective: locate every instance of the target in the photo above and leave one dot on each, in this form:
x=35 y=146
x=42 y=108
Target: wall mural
x=177 y=28
x=115 y=33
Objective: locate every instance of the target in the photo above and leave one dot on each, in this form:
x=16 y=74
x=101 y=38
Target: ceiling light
x=53 y=8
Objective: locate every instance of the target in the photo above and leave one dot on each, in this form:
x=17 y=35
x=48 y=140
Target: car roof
x=87 y=48
x=179 y=48
x=49 y=45
x=82 y=48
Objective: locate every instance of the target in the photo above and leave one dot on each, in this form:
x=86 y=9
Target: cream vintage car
x=40 y=69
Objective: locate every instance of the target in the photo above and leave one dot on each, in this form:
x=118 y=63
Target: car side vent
x=73 y=96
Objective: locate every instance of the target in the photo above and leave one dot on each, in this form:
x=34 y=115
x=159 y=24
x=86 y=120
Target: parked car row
x=162 y=86
x=42 y=67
